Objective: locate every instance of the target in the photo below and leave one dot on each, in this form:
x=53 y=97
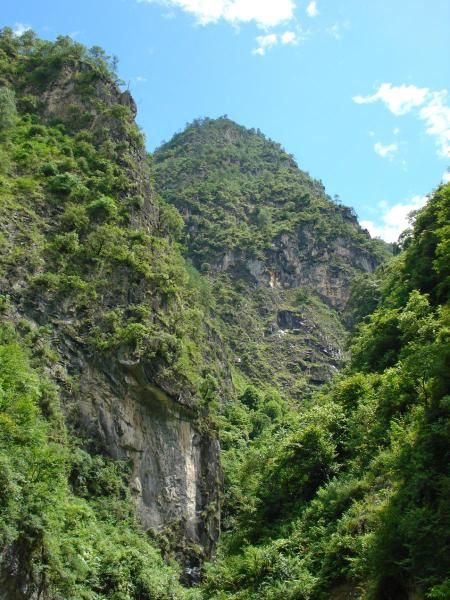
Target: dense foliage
x=350 y=496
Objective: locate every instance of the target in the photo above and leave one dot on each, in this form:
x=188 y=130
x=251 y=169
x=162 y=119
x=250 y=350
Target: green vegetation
x=349 y=497
x=335 y=491
x=86 y=256
x=240 y=192
x=66 y=519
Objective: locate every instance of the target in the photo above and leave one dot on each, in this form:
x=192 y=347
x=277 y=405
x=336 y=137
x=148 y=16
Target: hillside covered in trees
x=348 y=496
x=213 y=383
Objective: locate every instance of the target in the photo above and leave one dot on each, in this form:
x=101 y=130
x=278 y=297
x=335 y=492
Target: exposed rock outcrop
x=135 y=415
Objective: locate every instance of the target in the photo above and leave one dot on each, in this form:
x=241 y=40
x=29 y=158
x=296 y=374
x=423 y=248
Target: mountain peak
x=243 y=196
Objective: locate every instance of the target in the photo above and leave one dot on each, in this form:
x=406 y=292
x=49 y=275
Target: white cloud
x=272 y=39
x=431 y=107
x=311 y=9
x=140 y=79
x=265 y=42
x=334 y=31
x=19 y=29
x=396 y=130
x=436 y=115
x=399 y=99
x=386 y=151
x=446 y=177
x=394 y=220
x=265 y=13
x=288 y=37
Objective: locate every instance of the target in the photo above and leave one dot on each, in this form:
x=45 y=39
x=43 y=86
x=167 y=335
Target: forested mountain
x=253 y=214
x=277 y=251
x=203 y=335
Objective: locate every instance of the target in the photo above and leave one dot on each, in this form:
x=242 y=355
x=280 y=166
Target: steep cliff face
x=259 y=227
x=298 y=259
x=126 y=409
x=88 y=254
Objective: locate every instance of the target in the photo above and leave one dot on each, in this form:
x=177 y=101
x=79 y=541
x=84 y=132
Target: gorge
x=213 y=382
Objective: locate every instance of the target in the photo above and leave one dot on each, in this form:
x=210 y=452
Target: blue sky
x=356 y=90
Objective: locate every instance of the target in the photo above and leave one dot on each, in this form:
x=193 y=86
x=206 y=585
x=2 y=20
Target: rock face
x=133 y=412
x=61 y=98
x=298 y=260
x=137 y=417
